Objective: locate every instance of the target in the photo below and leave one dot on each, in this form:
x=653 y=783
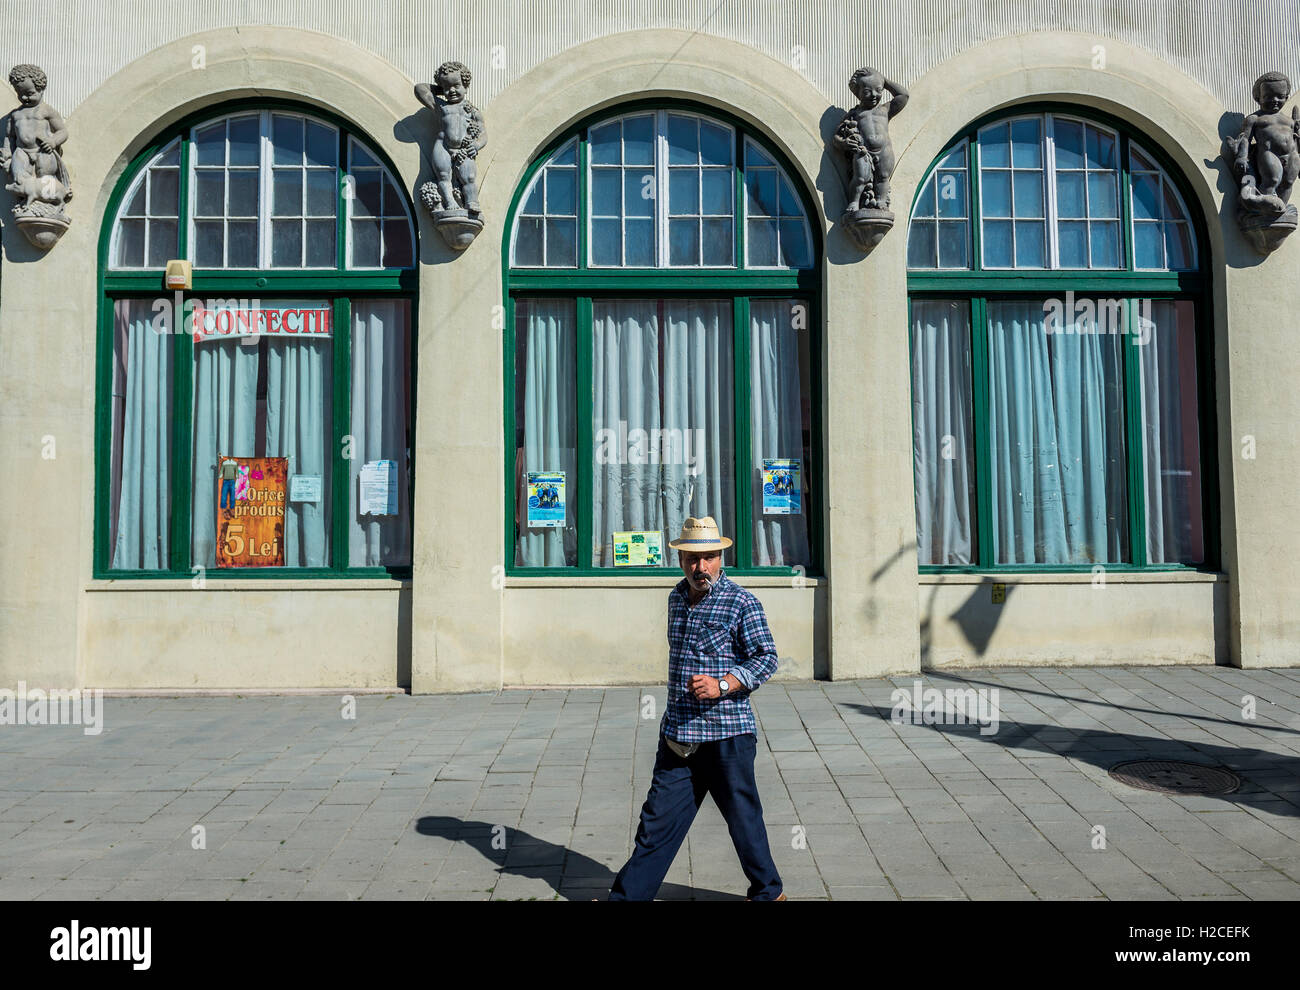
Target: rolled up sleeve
x=757 y=658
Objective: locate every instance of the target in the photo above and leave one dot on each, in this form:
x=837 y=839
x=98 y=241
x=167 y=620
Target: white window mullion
x=190 y=180
x=305 y=172
x=225 y=194
x=661 y=189
x=545 y=217
x=584 y=206
x=1011 y=205
x=264 y=190
x=740 y=167
x=1167 y=189
x=349 y=190
x=699 y=195
x=1049 y=189
x=977 y=216
x=148 y=212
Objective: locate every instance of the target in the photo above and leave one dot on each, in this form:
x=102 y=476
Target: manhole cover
x=1173 y=777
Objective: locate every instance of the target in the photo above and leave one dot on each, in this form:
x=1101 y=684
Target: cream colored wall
x=469 y=627
x=1255 y=302
x=1068 y=619
x=346 y=634
x=455 y=593
x=53 y=631
x=591 y=633
x=504 y=39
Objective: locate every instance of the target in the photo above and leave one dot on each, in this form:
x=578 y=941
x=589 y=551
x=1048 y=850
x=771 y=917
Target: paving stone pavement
x=535 y=794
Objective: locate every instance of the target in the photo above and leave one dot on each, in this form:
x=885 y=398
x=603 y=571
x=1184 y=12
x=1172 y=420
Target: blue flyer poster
x=781 y=487
x=546 y=499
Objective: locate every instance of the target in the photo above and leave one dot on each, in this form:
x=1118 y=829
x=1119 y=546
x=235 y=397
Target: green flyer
x=638 y=549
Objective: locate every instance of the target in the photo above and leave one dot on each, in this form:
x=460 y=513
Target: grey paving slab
x=407 y=801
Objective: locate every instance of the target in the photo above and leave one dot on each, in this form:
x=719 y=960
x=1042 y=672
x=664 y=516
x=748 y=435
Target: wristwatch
x=723 y=687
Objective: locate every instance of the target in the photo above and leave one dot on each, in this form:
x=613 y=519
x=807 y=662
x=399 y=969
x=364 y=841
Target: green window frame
x=586 y=285
x=339 y=285
x=977 y=287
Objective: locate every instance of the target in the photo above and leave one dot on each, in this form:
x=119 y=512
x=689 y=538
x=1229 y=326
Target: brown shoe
x=781 y=898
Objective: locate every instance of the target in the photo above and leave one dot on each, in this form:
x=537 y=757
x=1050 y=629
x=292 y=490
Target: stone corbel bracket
x=457 y=227
x=867 y=227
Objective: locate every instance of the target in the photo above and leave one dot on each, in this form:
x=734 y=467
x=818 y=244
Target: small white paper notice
x=379 y=488
x=304 y=488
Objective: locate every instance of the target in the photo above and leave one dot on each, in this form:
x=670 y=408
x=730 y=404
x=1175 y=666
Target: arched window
x=661 y=346
x=294 y=343
x=1060 y=354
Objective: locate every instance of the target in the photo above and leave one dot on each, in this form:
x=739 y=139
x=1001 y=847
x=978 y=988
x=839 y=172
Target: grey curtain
x=297 y=426
x=381 y=403
x=225 y=416
x=547 y=364
x=942 y=440
x=776 y=426
x=140 y=509
x=663 y=390
x=1056 y=432
x=1171 y=436
x=298 y=399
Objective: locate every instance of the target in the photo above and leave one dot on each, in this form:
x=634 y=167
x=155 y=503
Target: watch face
x=724 y=686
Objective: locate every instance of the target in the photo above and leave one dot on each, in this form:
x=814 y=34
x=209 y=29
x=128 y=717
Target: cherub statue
x=459 y=137
x=31 y=150
x=1265 y=156
x=863 y=138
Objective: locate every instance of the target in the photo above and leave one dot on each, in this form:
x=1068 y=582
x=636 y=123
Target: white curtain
x=776 y=425
x=941 y=431
x=381 y=403
x=1056 y=434
x=297 y=426
x=225 y=417
x=545 y=414
x=140 y=507
x=663 y=388
x=298 y=391
x=1171 y=436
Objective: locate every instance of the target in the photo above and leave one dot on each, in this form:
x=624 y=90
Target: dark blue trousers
x=724 y=769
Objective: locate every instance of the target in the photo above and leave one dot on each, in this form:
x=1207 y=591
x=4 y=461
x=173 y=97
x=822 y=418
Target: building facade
x=1047 y=419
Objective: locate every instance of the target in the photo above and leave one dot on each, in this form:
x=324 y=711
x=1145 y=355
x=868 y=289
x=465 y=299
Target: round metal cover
x=1174 y=777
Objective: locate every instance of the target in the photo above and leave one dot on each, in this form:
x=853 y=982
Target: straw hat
x=700 y=536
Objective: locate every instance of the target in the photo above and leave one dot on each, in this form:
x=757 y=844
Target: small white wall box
x=180 y=275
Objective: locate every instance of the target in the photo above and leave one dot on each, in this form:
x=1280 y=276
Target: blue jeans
x=724 y=769
x=227 y=494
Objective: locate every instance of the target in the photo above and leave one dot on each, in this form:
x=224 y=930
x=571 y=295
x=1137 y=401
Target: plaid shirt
x=725 y=633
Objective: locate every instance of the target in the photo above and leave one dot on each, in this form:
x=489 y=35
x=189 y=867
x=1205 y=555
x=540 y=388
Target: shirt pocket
x=713 y=638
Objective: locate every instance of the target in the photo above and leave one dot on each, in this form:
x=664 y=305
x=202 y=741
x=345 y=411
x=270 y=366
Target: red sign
x=290 y=321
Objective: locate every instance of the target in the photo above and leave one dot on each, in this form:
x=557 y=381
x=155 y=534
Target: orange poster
x=251 y=499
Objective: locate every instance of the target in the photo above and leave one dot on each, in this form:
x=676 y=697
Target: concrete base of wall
x=222 y=638
x=1073 y=619
x=573 y=635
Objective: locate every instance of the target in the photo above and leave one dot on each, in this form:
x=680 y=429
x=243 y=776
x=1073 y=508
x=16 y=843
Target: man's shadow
x=525 y=855
x=1105 y=749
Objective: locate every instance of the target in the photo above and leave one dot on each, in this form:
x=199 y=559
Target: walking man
x=719 y=650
